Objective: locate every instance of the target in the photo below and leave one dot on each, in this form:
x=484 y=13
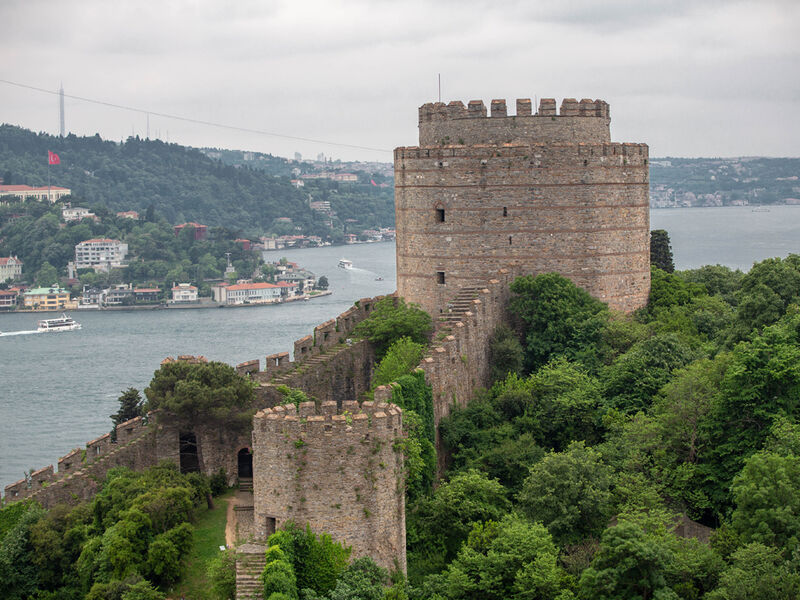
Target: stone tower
x=533 y=193
x=339 y=470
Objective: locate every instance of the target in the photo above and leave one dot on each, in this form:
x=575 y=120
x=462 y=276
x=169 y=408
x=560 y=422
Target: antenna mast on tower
x=61 y=109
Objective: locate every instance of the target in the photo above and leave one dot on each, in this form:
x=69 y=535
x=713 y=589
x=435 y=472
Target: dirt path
x=230 y=525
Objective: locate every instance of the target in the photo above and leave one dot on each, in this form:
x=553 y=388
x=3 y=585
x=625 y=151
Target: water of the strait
x=57 y=390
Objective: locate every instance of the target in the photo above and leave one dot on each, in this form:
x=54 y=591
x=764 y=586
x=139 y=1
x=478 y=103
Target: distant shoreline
x=151 y=307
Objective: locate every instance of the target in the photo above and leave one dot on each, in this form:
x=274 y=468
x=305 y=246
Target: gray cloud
x=688 y=77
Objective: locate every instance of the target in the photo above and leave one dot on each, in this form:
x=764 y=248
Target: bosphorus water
x=57 y=390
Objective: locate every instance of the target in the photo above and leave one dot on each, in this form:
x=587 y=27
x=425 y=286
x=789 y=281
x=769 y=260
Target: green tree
x=767 y=498
x=199 y=392
x=278 y=576
x=661 y=250
x=130 y=406
x=630 y=564
x=560 y=319
x=443 y=522
x=757 y=572
x=400 y=359
x=322 y=283
x=569 y=492
x=221 y=573
x=633 y=380
x=509 y=559
x=506 y=354
x=46 y=276
x=392 y=319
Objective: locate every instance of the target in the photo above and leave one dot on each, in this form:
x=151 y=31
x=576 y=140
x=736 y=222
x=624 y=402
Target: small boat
x=64 y=323
x=379 y=278
x=345 y=264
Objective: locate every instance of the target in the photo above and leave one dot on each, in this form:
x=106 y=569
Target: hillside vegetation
x=183 y=184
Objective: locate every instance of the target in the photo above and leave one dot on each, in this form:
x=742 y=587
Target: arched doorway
x=245 y=462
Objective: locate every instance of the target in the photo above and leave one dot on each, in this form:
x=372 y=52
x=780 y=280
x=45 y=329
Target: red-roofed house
x=184 y=292
x=128 y=214
x=253 y=293
x=199 y=230
x=10 y=268
x=245 y=243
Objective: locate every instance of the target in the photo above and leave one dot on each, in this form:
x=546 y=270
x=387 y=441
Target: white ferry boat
x=64 y=323
x=345 y=264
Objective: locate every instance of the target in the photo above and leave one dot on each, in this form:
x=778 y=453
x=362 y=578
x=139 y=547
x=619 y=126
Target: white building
x=26 y=192
x=69 y=213
x=100 y=253
x=10 y=268
x=252 y=293
x=184 y=292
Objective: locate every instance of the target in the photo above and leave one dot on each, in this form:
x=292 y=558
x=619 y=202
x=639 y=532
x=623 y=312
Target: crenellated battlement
x=476 y=109
x=575 y=121
x=352 y=416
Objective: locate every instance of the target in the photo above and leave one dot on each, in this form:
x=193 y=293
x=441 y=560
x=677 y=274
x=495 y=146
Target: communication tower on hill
x=61 y=110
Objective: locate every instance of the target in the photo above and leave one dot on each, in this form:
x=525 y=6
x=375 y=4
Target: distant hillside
x=724 y=181
x=182 y=184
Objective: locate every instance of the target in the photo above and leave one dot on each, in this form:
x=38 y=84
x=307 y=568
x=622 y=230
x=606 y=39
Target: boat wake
x=10 y=333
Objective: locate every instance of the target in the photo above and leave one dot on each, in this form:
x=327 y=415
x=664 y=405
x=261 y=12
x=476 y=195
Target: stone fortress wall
x=530 y=193
x=325 y=366
x=339 y=469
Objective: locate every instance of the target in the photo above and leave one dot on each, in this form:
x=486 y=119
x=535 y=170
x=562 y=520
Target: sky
x=688 y=77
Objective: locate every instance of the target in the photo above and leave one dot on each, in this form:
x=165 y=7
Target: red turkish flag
x=52 y=158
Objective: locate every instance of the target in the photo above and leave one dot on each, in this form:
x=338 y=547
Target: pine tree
x=661 y=251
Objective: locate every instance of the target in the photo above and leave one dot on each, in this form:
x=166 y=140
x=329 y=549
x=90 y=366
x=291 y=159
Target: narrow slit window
x=505 y=211
x=440 y=277
x=440 y=215
x=509 y=240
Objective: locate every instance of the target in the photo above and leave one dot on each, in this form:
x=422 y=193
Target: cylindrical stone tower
x=340 y=471
x=535 y=193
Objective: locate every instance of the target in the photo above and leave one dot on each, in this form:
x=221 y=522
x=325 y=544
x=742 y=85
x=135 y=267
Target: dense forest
x=183 y=184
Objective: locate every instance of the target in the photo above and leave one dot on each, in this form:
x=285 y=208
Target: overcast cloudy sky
x=688 y=77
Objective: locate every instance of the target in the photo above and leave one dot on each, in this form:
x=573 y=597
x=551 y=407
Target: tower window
x=440 y=277
x=505 y=211
x=509 y=240
x=440 y=215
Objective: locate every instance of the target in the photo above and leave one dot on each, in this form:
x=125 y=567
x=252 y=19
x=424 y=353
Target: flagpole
x=48 y=177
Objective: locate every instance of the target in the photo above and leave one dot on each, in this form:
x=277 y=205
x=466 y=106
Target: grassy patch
x=209 y=535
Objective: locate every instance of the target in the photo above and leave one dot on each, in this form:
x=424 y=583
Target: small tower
x=339 y=470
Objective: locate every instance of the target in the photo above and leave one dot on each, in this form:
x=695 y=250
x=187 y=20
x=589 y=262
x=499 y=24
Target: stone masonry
x=533 y=193
x=338 y=469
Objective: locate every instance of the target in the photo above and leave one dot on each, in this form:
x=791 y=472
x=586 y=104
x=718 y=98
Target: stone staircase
x=460 y=304
x=250 y=561
x=317 y=359
x=245 y=484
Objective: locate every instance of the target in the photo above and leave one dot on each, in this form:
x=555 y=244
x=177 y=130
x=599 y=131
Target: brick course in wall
x=531 y=193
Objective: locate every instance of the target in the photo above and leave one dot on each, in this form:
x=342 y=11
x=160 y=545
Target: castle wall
x=338 y=470
x=80 y=473
x=578 y=207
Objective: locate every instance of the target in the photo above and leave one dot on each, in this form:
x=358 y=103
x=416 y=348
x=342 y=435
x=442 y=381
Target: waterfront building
x=8 y=299
x=119 y=295
x=253 y=293
x=128 y=214
x=46 y=298
x=93 y=297
x=100 y=254
x=26 y=192
x=184 y=292
x=10 y=268
x=145 y=295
